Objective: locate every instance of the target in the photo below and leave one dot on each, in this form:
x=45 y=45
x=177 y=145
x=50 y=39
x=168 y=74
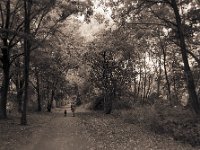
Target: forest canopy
x=108 y=53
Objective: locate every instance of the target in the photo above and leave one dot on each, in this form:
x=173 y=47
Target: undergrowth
x=177 y=122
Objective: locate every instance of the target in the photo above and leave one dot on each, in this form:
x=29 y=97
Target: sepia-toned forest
x=133 y=60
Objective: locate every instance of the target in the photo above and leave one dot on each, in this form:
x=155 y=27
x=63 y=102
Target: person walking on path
x=73 y=108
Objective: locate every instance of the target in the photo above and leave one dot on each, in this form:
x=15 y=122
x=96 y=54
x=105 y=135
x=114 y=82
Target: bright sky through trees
x=101 y=19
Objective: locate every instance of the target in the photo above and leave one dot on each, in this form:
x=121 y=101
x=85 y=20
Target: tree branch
x=163 y=19
x=15 y=57
x=196 y=59
x=2 y=16
x=33 y=85
x=14 y=12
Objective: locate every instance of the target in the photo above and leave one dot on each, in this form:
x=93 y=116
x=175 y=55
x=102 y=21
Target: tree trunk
x=4 y=93
x=166 y=76
x=49 y=105
x=175 y=101
x=139 y=84
x=107 y=105
x=135 y=87
x=107 y=86
x=145 y=81
x=38 y=91
x=149 y=88
x=19 y=87
x=19 y=84
x=27 y=46
x=187 y=70
x=5 y=59
x=159 y=76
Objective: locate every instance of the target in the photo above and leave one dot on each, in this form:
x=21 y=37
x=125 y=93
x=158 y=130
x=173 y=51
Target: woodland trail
x=61 y=133
x=94 y=131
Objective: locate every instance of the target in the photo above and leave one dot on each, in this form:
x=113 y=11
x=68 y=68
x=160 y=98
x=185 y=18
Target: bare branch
x=15 y=57
x=33 y=85
x=196 y=58
x=163 y=19
x=40 y=21
x=14 y=12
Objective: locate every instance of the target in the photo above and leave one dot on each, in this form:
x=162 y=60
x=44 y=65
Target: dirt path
x=61 y=133
x=92 y=131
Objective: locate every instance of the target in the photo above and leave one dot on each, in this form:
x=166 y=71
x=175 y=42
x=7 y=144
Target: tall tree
x=188 y=74
x=5 y=59
x=27 y=47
